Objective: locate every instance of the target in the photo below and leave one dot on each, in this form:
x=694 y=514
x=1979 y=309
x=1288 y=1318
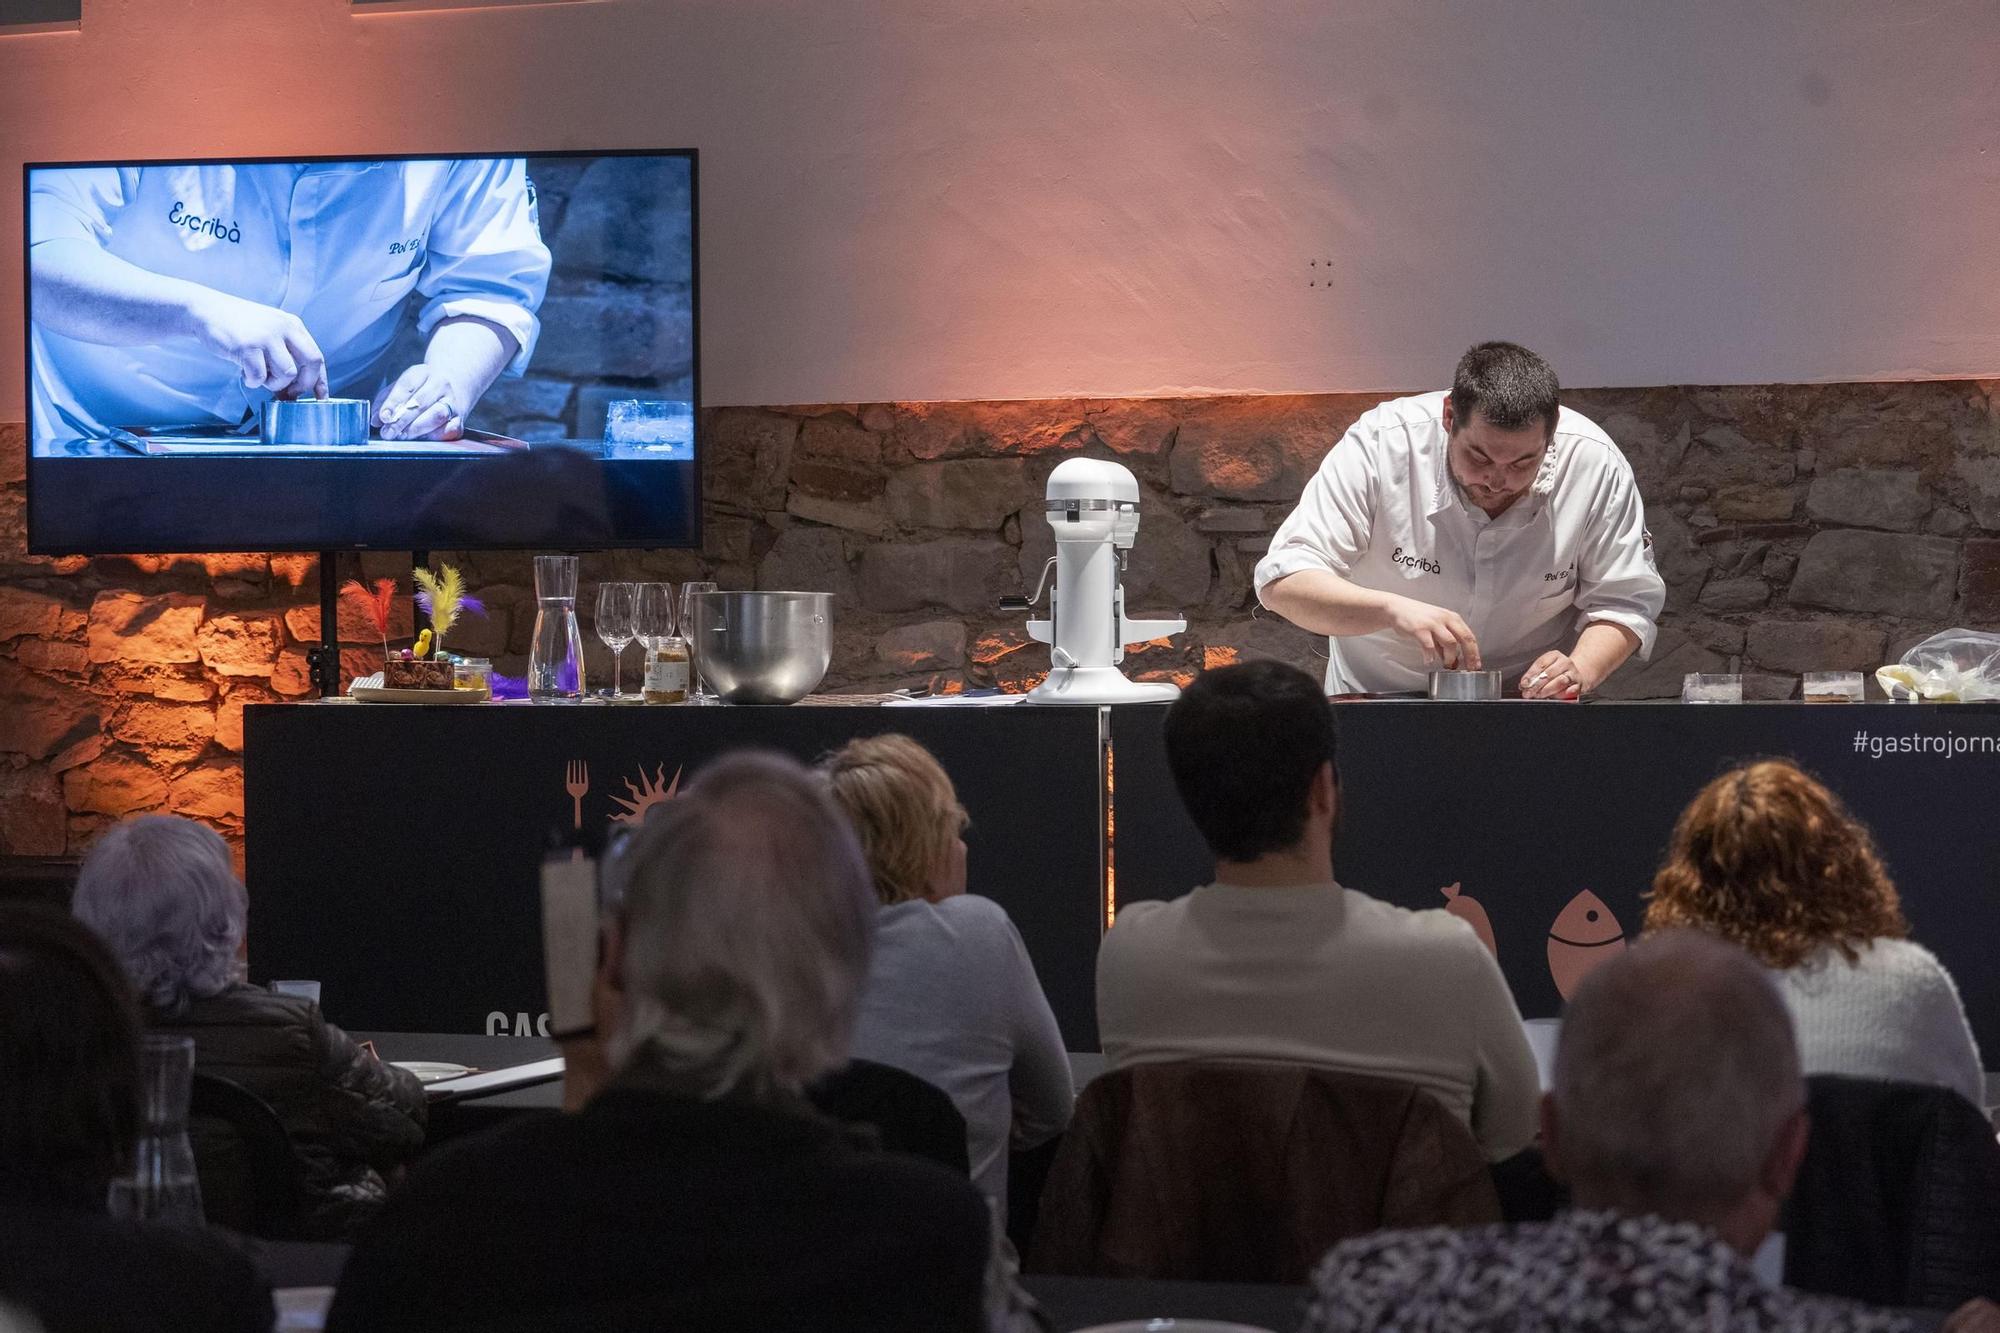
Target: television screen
x=405 y=353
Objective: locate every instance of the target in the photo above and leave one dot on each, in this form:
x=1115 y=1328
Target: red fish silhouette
x=1585 y=936
x=1472 y=914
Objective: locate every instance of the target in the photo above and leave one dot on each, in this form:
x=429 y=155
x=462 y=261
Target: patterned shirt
x=1594 y=1271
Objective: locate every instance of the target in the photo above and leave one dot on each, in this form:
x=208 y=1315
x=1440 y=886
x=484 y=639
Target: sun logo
x=646 y=794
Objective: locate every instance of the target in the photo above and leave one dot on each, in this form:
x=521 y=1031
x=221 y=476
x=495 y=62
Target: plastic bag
x=1959 y=665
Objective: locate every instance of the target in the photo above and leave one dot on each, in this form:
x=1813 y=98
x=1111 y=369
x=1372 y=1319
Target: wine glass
x=656 y=617
x=617 y=608
x=689 y=591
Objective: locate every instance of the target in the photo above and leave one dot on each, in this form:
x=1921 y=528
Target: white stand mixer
x=1093 y=505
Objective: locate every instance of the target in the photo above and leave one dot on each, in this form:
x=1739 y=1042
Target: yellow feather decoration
x=446 y=593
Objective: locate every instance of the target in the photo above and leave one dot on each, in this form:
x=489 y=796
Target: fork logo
x=576 y=781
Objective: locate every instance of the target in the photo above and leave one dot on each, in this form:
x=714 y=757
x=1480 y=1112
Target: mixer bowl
x=316 y=421
x=762 y=647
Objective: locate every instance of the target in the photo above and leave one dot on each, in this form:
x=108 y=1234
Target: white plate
x=430 y=1071
x=369 y=689
x=376 y=694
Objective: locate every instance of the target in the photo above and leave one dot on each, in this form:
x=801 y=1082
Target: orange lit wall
x=956 y=199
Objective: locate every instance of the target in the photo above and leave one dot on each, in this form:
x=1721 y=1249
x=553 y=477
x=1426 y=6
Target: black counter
x=392 y=851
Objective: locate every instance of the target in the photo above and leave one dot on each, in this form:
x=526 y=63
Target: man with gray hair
x=1678 y=1121
x=697 y=1188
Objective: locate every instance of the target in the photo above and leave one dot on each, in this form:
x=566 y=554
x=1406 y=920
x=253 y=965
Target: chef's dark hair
x=1508 y=385
x=1244 y=743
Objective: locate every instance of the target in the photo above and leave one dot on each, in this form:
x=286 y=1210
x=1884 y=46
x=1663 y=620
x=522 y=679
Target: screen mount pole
x=323 y=661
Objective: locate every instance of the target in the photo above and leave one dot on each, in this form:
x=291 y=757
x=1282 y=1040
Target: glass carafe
x=555 y=659
x=162 y=1186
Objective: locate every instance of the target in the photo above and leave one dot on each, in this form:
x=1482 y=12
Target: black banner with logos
x=1547 y=820
x=393 y=851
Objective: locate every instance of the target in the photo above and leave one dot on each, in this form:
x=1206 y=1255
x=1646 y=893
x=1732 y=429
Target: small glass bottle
x=667 y=669
x=473 y=673
x=161 y=1185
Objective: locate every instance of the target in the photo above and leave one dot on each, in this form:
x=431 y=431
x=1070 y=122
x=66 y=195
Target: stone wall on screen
x=1798 y=528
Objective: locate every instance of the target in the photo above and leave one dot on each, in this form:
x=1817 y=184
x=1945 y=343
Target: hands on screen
x=419 y=404
x=271 y=348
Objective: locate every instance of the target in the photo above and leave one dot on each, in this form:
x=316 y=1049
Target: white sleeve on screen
x=75 y=203
x=485 y=255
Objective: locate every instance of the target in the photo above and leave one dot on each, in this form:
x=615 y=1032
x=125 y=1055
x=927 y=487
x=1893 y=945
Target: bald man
x=1678 y=1121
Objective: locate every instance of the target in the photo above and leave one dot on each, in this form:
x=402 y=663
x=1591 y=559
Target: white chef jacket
x=1383 y=512
x=339 y=244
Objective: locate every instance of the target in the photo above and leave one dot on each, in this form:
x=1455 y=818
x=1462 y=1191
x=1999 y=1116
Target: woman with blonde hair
x=951 y=995
x=1767 y=857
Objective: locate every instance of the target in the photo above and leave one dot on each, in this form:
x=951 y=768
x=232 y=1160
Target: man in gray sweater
x=1275 y=961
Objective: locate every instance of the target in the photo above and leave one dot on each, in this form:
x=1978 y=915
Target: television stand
x=323 y=659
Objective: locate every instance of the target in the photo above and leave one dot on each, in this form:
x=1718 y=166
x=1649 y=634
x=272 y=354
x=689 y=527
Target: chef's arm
x=1323 y=602
x=470 y=352
x=84 y=292
x=1600 y=650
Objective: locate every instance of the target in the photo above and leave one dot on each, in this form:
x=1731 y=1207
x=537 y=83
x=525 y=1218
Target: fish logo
x=1472 y=914
x=1584 y=937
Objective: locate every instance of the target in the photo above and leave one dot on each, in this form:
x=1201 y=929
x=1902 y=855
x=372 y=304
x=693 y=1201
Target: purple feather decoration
x=465 y=603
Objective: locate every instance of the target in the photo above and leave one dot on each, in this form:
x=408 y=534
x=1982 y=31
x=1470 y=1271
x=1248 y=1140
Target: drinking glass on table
x=657 y=614
x=689 y=591
x=617 y=609
x=161 y=1185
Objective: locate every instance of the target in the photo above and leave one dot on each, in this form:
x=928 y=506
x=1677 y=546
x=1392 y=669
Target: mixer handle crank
x=1014 y=603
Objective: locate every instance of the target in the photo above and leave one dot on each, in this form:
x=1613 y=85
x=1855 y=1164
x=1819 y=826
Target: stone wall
x=1798 y=527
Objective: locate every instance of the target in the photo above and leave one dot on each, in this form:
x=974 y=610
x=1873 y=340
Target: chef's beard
x=1474 y=497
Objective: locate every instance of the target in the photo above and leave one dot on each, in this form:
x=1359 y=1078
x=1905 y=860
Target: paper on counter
x=994 y=699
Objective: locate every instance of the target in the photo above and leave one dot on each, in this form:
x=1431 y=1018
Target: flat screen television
x=464 y=352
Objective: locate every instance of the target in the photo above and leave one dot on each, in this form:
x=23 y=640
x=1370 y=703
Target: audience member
x=163 y=893
x=696 y=1189
x=1275 y=961
x=951 y=995
x=69 y=1114
x=1769 y=858
x=1678 y=1121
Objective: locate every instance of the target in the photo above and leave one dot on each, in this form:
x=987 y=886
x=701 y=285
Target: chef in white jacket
x=1486 y=527
x=184 y=294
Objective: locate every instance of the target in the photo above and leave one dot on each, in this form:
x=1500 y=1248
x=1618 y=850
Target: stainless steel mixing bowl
x=1465 y=684
x=316 y=421
x=762 y=647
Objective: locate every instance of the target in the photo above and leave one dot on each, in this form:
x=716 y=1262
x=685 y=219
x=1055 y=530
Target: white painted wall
x=910 y=199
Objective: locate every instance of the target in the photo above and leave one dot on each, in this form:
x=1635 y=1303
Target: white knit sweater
x=1893 y=1013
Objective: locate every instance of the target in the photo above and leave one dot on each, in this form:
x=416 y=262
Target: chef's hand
x=271 y=348
x=420 y=405
x=1444 y=636
x=1554 y=676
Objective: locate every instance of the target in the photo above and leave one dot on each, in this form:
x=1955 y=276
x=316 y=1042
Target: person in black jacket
x=696 y=1189
x=163 y=893
x=69 y=1113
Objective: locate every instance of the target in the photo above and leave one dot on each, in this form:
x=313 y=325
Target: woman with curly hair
x=1769 y=858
